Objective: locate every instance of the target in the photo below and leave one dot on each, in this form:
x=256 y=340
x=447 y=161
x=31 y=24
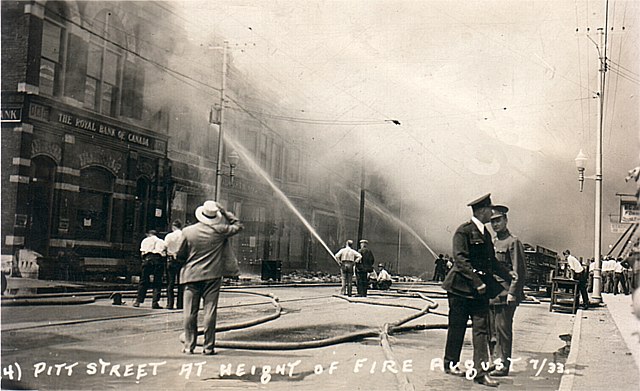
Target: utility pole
x=220 y=123
x=399 y=238
x=362 y=191
x=597 y=251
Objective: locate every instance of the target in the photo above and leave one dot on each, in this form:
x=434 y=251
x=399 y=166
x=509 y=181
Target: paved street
x=138 y=348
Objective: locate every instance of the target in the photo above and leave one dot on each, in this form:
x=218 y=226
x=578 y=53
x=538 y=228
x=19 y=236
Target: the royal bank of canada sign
x=629 y=211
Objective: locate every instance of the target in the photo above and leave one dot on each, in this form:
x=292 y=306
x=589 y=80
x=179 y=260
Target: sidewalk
x=605 y=348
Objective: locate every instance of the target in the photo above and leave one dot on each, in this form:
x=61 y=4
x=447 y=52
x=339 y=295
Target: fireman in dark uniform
x=469 y=285
x=364 y=267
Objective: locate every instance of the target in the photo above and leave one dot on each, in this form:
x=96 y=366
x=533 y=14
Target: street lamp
x=233 y=160
x=581 y=159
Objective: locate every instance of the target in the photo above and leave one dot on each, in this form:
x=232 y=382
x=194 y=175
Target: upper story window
x=53 y=38
x=277 y=161
x=293 y=165
x=263 y=148
x=104 y=64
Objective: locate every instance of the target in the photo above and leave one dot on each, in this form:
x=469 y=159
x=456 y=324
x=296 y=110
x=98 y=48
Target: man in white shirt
x=152 y=250
x=347 y=257
x=619 y=277
x=384 y=278
x=608 y=269
x=579 y=274
x=173 y=240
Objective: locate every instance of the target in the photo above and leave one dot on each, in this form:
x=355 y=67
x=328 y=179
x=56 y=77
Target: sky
x=492 y=96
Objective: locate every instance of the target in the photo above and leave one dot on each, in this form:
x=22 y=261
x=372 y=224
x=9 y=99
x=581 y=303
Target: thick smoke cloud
x=492 y=97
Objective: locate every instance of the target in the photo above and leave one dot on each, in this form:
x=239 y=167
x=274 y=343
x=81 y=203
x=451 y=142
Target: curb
x=566 y=383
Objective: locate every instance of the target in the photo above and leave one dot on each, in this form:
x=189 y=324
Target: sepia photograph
x=320 y=195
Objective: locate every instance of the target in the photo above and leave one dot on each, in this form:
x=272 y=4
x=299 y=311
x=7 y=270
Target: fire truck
x=541 y=262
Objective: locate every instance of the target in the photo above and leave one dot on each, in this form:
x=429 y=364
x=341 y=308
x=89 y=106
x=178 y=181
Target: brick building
x=104 y=136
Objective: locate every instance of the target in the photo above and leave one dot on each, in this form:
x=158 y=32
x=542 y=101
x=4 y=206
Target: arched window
x=143 y=188
x=95 y=203
x=53 y=46
x=104 y=64
x=40 y=199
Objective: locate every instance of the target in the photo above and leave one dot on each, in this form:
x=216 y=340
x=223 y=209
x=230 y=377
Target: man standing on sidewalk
x=509 y=252
x=152 y=250
x=347 y=257
x=579 y=274
x=619 y=278
x=469 y=285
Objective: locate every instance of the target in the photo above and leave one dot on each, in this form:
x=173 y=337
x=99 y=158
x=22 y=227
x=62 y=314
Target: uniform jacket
x=510 y=253
x=368 y=260
x=206 y=252
x=474 y=264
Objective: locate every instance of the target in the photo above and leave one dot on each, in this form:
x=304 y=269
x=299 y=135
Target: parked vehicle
x=541 y=263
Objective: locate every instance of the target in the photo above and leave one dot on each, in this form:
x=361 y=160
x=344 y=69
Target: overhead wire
x=615 y=91
x=356 y=99
x=176 y=73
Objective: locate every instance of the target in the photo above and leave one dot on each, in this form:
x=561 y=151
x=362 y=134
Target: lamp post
x=580 y=165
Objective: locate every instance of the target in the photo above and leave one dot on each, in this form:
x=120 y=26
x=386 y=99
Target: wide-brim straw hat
x=208 y=213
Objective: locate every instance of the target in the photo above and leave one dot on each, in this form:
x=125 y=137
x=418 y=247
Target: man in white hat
x=207 y=258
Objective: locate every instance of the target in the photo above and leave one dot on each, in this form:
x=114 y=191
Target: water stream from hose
x=255 y=167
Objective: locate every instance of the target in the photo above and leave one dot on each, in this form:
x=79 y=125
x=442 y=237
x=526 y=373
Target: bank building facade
x=107 y=133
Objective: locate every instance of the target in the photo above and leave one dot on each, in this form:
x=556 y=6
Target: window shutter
x=76 y=68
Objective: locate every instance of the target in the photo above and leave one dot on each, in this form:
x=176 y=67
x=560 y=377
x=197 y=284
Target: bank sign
x=629 y=211
x=11 y=114
x=46 y=114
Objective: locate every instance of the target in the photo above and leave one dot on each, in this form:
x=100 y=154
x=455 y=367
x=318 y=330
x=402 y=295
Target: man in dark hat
x=510 y=253
x=469 y=285
x=364 y=267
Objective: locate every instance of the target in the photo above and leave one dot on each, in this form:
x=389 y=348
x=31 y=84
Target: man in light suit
x=204 y=252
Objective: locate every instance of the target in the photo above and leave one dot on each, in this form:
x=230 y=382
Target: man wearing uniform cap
x=364 y=267
x=469 y=285
x=510 y=253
